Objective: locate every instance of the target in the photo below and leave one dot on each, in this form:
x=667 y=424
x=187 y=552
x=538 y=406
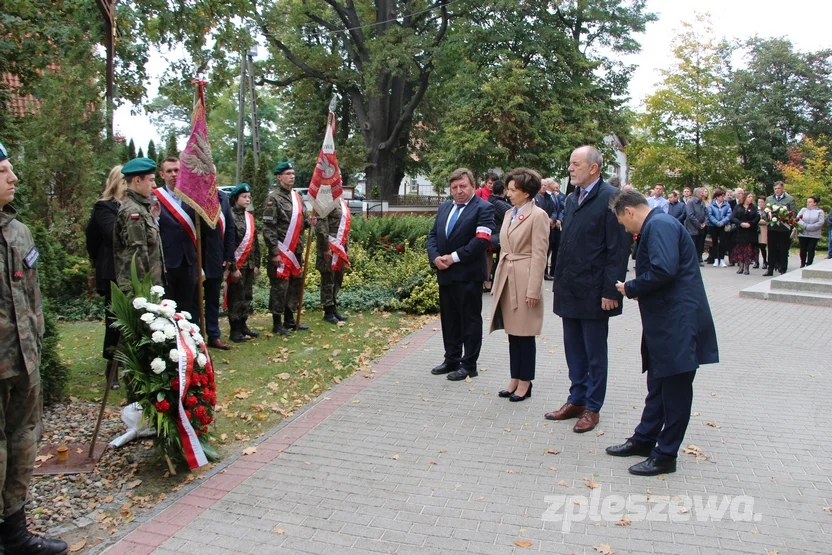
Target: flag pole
x=200 y=291
x=303 y=279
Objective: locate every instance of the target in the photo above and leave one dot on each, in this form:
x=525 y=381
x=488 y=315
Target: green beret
x=241 y=188
x=138 y=166
x=282 y=167
x=3 y=152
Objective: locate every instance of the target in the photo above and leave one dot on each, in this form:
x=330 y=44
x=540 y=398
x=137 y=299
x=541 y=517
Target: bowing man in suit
x=456 y=247
x=678 y=334
x=592 y=256
x=176 y=226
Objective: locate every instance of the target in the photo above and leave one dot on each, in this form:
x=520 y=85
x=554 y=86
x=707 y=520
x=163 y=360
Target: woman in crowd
x=762 y=234
x=745 y=219
x=100 y=248
x=518 y=283
x=811 y=220
x=719 y=215
x=239 y=287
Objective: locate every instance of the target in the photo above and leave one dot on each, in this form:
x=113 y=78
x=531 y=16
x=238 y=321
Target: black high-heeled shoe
x=516 y=398
x=505 y=393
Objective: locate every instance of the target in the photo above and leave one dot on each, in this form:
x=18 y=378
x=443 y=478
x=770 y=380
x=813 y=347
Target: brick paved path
x=411 y=463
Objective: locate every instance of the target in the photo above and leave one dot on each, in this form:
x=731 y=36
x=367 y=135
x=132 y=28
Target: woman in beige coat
x=518 y=284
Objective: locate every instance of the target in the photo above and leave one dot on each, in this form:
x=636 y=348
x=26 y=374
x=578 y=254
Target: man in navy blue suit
x=592 y=256
x=456 y=247
x=678 y=330
x=176 y=226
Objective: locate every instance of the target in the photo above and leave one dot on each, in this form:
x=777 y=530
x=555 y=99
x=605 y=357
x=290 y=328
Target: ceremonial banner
x=196 y=183
x=325 y=189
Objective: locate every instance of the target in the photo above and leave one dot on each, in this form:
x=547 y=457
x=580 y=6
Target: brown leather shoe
x=566 y=412
x=586 y=422
x=218 y=344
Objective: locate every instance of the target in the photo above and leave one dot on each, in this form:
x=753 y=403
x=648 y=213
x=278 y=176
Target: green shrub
x=54 y=376
x=389 y=232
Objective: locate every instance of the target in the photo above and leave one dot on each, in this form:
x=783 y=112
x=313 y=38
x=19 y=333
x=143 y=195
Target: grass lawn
x=262 y=381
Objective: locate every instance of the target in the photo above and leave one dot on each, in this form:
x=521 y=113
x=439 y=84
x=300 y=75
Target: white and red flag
x=325 y=189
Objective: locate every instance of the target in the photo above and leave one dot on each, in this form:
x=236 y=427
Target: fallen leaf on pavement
x=563 y=483
x=134 y=484
x=522 y=543
x=551 y=452
x=712 y=424
x=78 y=546
x=603 y=549
x=591 y=484
x=696 y=414
x=625 y=521
x=599 y=433
x=249 y=450
x=553 y=468
x=278 y=531
x=395 y=457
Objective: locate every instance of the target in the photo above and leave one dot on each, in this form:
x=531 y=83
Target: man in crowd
x=592 y=257
x=283 y=226
x=687 y=194
x=136 y=232
x=488 y=185
x=21 y=337
x=779 y=233
x=176 y=224
x=675 y=207
x=696 y=220
x=615 y=182
x=666 y=268
x=456 y=247
x=332 y=234
x=218 y=246
x=501 y=206
x=555 y=223
x=656 y=198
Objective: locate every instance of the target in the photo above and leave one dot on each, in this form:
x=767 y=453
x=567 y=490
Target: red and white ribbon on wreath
x=338 y=244
x=242 y=252
x=289 y=264
x=188 y=352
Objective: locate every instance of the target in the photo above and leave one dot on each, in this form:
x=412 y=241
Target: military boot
x=341 y=317
x=245 y=331
x=18 y=540
x=329 y=315
x=236 y=334
x=289 y=318
x=277 y=327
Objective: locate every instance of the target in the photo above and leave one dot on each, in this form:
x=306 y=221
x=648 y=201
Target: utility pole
x=241 y=118
x=108 y=12
x=255 y=124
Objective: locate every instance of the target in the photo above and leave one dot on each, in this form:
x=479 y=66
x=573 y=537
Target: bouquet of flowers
x=780 y=217
x=168 y=369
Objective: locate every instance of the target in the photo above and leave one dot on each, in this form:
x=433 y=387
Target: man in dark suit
x=667 y=267
x=592 y=257
x=218 y=246
x=176 y=226
x=555 y=222
x=456 y=247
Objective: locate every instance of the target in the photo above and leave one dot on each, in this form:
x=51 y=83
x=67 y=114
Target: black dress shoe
x=548 y=277
x=461 y=373
x=653 y=467
x=444 y=368
x=769 y=272
x=630 y=448
x=516 y=398
x=505 y=394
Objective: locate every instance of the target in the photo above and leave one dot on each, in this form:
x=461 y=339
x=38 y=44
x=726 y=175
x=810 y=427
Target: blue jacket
x=719 y=216
x=216 y=247
x=477 y=218
x=177 y=244
x=592 y=256
x=678 y=329
x=677 y=210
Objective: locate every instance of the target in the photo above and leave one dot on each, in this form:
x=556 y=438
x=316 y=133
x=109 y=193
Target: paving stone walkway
x=410 y=463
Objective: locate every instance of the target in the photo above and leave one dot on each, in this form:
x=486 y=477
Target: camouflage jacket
x=277 y=214
x=21 y=312
x=253 y=260
x=136 y=232
x=325 y=228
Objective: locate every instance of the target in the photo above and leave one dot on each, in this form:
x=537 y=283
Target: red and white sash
x=188 y=352
x=483 y=233
x=221 y=223
x=338 y=244
x=178 y=212
x=289 y=264
x=242 y=252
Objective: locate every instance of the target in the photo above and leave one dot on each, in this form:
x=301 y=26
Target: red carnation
x=188 y=414
x=205 y=429
x=174 y=384
x=383 y=238
x=205 y=420
x=162 y=406
x=199 y=412
x=399 y=248
x=191 y=402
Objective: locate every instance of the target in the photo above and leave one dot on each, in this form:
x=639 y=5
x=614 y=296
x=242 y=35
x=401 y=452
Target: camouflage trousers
x=284 y=293
x=20 y=413
x=330 y=286
x=240 y=295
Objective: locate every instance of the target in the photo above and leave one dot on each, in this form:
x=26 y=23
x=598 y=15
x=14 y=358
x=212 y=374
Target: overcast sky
x=807 y=23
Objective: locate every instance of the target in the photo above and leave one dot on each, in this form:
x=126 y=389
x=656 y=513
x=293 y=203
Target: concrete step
x=764 y=291
x=818 y=271
x=792 y=282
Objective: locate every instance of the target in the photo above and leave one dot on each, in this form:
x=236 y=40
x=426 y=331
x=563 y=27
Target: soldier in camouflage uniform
x=136 y=231
x=330 y=279
x=284 y=296
x=21 y=337
x=240 y=286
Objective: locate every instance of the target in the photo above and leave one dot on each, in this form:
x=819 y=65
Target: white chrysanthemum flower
x=186 y=315
x=158 y=324
x=158 y=365
x=148 y=317
x=174 y=355
x=139 y=303
x=774 y=219
x=158 y=337
x=168 y=302
x=202 y=360
x=167 y=311
x=150 y=307
x=170 y=331
x=184 y=325
x=198 y=339
x=157 y=290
